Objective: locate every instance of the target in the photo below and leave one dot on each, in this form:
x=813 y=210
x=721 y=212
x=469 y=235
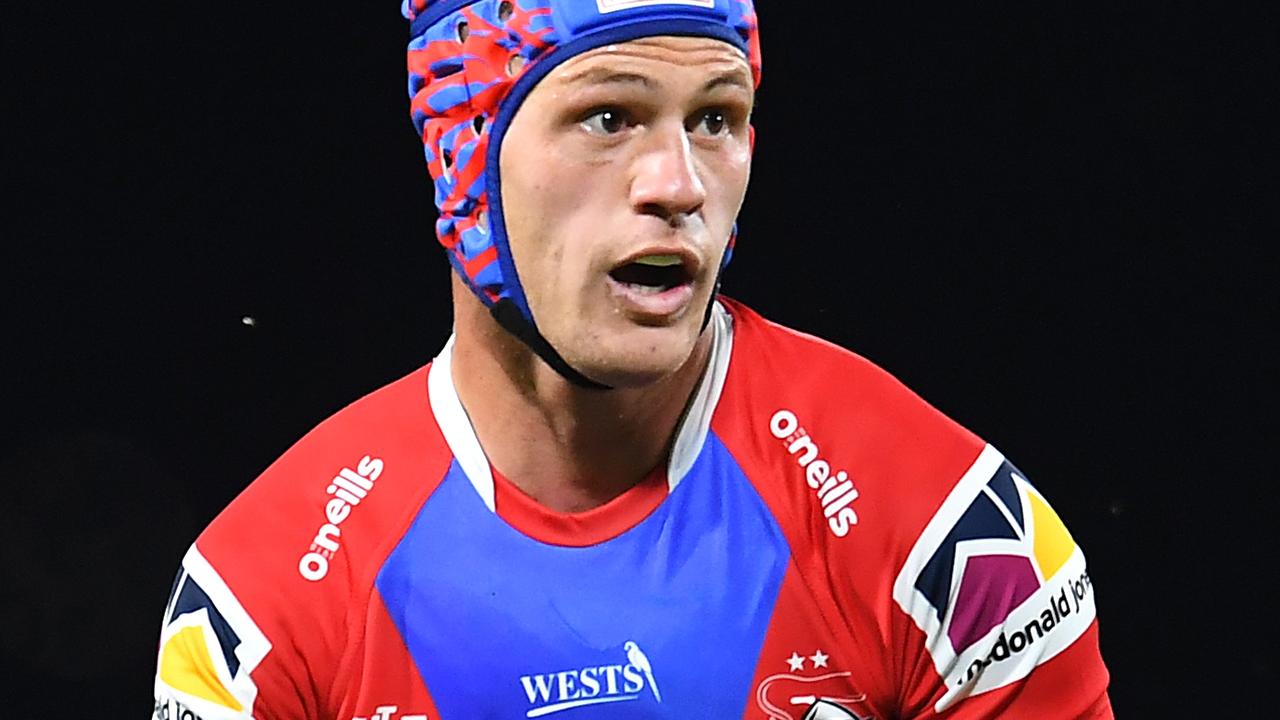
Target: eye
x=608 y=121
x=712 y=122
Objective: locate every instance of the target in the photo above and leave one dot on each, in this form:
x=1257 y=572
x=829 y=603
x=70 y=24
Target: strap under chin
x=510 y=318
x=715 y=293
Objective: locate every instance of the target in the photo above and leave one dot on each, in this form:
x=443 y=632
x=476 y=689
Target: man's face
x=622 y=174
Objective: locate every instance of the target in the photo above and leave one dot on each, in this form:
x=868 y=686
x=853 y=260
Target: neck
x=569 y=448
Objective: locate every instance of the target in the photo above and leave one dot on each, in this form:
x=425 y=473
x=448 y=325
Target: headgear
x=471 y=65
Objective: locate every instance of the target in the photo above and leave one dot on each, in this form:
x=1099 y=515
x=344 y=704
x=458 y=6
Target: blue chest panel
x=664 y=621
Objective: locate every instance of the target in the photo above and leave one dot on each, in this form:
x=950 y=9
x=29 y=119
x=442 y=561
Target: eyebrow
x=605 y=76
x=733 y=78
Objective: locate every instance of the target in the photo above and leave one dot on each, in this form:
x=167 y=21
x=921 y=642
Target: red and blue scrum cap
x=471 y=65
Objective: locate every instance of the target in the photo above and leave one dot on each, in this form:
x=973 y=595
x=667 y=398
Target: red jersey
x=822 y=544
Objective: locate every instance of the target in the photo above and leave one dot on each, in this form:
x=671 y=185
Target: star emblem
x=796 y=661
x=819 y=660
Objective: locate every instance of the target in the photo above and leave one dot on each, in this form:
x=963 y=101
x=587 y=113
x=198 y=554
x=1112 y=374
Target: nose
x=665 y=180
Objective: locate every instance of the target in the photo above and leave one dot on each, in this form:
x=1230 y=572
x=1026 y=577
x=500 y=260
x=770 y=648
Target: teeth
x=646 y=289
x=659 y=260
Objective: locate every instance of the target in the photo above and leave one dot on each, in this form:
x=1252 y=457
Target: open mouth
x=653 y=274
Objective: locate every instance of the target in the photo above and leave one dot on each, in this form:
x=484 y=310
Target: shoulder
x=342 y=484
x=949 y=553
x=270 y=597
x=805 y=409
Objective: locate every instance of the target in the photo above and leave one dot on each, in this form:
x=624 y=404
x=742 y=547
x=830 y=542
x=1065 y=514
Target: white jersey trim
x=696 y=423
x=460 y=435
x=456 y=426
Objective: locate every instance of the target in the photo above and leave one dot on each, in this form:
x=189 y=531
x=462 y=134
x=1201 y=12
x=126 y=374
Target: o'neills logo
x=834 y=491
x=348 y=488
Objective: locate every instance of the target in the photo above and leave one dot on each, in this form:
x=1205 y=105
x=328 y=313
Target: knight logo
x=824 y=695
x=995 y=582
x=209 y=647
x=556 y=692
x=608 y=6
x=834 y=490
x=347 y=489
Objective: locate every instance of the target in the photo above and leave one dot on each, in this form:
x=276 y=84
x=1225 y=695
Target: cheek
x=547 y=193
x=742 y=176
x=726 y=181
x=529 y=213
x=549 y=227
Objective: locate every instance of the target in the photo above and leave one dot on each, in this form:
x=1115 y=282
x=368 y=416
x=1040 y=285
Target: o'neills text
x=348 y=488
x=834 y=490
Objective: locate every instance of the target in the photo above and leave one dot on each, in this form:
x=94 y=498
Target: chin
x=635 y=358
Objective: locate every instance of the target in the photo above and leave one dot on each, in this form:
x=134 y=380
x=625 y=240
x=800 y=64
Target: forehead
x=694 y=59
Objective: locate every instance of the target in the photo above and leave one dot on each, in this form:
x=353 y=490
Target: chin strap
x=715 y=292
x=511 y=320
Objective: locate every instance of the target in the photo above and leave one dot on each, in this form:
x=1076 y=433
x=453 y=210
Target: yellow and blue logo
x=209 y=648
x=995 y=581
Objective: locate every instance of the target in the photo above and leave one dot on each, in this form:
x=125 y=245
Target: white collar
x=461 y=436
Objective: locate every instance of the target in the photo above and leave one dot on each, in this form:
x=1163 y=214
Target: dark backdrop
x=1046 y=221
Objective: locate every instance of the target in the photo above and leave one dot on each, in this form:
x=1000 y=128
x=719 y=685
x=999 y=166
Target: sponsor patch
x=209 y=646
x=552 y=693
x=995 y=582
x=608 y=6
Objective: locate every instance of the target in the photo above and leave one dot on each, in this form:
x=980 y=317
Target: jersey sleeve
x=256 y=623
x=953 y=588
x=211 y=651
x=267 y=617
x=997 y=607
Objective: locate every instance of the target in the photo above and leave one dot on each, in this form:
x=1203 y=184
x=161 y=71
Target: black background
x=1044 y=220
